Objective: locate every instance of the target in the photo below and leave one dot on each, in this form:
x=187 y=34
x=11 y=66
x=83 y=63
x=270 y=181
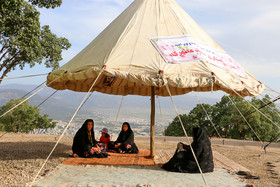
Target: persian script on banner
x=180 y=49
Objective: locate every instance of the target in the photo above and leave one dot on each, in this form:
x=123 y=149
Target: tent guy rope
x=270 y=102
x=119 y=109
x=186 y=135
x=24 y=76
x=272 y=89
x=47 y=98
x=159 y=105
x=245 y=120
x=208 y=116
x=249 y=103
x=66 y=127
x=264 y=97
x=33 y=89
x=275 y=98
x=28 y=97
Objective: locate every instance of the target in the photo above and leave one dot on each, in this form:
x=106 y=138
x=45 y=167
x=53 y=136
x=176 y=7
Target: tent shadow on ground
x=32 y=150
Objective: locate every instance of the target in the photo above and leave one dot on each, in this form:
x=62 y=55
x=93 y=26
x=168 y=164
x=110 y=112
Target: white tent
x=151 y=45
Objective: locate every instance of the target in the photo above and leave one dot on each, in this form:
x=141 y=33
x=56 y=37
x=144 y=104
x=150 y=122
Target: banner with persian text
x=181 y=49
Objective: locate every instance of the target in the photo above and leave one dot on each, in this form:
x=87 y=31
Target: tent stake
x=152 y=129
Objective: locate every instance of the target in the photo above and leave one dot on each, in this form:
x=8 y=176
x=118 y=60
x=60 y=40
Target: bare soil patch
x=22 y=155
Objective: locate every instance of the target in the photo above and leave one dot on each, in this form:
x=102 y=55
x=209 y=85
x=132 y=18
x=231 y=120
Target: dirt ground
x=22 y=155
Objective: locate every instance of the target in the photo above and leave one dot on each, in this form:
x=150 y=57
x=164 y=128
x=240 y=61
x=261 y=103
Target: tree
x=196 y=117
x=22 y=39
x=175 y=128
x=25 y=118
x=232 y=122
x=266 y=129
x=228 y=120
x=263 y=128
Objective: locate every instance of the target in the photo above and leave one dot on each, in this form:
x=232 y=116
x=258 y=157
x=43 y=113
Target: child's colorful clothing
x=105 y=140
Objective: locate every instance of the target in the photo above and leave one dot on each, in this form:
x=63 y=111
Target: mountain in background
x=63 y=104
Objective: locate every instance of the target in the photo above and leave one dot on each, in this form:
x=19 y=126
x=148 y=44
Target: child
x=105 y=137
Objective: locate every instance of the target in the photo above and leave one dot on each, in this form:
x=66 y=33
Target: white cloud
x=81 y=21
x=269 y=21
x=230 y=5
x=249 y=29
x=262 y=69
x=247 y=26
x=237 y=23
x=118 y=2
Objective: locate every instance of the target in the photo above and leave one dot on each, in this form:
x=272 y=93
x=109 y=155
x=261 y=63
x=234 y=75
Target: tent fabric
x=133 y=64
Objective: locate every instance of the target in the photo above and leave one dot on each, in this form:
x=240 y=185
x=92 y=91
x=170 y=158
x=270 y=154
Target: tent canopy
x=136 y=52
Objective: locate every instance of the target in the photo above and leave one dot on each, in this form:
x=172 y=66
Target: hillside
x=103 y=108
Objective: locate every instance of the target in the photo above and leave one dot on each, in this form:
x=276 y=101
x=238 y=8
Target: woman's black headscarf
x=183 y=160
x=200 y=138
x=82 y=142
x=126 y=137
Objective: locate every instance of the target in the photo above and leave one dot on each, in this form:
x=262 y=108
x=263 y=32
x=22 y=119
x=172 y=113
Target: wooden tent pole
x=152 y=129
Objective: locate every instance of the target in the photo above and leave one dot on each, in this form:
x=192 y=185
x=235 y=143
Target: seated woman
x=183 y=160
x=125 y=141
x=84 y=143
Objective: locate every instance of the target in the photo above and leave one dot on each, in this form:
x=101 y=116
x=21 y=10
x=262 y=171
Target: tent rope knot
x=260 y=85
x=160 y=81
x=211 y=81
x=179 y=82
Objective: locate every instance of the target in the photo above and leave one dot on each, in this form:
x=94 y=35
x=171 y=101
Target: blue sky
x=248 y=30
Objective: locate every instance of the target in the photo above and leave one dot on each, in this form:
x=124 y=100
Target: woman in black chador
x=125 y=142
x=183 y=160
x=84 y=143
